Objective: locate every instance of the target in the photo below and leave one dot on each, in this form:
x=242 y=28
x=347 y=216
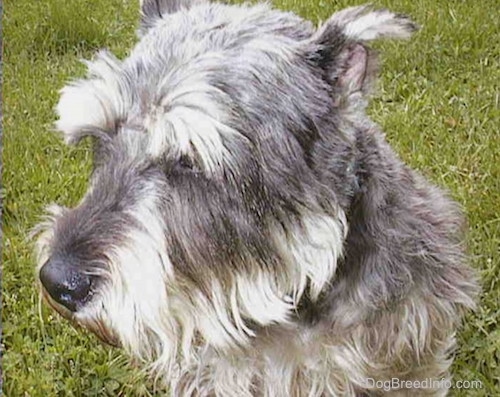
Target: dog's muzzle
x=66 y=284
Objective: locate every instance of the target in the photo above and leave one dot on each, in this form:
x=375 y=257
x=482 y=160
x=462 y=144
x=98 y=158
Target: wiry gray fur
x=248 y=231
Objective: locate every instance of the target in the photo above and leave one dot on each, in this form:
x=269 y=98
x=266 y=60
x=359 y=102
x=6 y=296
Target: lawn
x=438 y=102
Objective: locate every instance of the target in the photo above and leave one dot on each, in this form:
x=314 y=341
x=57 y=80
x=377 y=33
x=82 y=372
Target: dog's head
x=224 y=150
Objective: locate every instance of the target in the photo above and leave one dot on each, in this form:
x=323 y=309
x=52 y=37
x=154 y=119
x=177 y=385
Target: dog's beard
x=163 y=319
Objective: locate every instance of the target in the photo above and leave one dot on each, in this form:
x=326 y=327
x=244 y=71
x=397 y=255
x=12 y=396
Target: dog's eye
x=183 y=165
x=186 y=163
x=175 y=165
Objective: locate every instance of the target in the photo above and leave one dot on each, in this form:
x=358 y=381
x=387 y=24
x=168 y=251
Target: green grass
x=438 y=103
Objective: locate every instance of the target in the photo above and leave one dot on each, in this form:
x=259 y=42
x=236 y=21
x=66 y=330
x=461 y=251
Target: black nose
x=65 y=284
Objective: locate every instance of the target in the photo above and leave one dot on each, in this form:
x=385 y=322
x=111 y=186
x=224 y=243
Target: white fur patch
x=362 y=23
x=187 y=120
x=190 y=118
x=259 y=299
x=135 y=301
x=96 y=102
x=172 y=322
x=312 y=251
x=221 y=317
x=304 y=361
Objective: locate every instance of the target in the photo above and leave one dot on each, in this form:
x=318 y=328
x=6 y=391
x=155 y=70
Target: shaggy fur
x=247 y=229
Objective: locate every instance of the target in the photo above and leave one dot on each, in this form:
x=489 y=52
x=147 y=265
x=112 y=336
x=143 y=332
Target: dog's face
x=210 y=210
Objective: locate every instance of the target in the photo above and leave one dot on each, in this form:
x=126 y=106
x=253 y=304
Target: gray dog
x=247 y=230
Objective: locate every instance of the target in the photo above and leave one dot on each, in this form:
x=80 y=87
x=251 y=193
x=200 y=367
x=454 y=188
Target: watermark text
x=427 y=383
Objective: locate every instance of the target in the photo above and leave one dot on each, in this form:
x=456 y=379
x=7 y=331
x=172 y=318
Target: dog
x=247 y=230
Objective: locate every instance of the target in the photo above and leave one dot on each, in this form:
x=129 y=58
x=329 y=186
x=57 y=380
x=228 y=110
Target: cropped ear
x=340 y=48
x=154 y=10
